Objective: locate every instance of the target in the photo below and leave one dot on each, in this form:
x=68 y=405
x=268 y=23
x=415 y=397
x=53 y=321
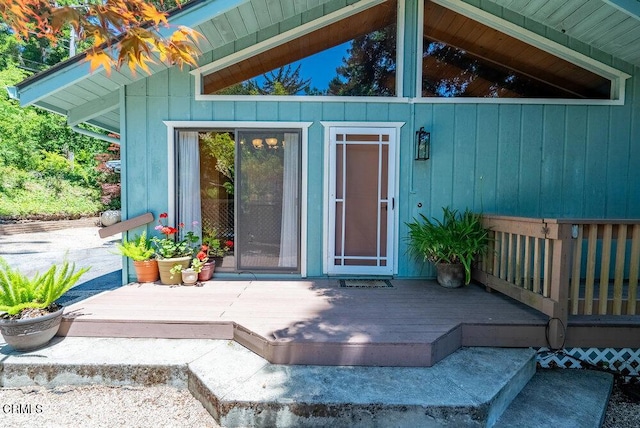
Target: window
x=464 y=58
x=355 y=56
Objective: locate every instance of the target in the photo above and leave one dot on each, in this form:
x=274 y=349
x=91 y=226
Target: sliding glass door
x=240 y=189
x=267 y=200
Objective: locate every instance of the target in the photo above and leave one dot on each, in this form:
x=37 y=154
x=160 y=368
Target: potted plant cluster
x=171 y=252
x=452 y=244
x=143 y=255
x=31 y=315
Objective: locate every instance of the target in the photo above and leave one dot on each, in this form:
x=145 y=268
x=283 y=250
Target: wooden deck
x=413 y=323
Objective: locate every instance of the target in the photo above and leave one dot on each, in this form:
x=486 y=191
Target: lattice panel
x=623 y=360
x=218 y=214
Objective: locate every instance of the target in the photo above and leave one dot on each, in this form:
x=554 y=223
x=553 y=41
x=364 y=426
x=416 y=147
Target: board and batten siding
x=530 y=160
x=509 y=159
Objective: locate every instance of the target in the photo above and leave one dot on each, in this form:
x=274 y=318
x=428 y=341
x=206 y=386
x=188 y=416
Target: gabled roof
x=612 y=26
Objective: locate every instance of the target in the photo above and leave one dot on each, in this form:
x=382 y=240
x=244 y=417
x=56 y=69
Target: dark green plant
x=139 y=249
x=458 y=238
x=18 y=292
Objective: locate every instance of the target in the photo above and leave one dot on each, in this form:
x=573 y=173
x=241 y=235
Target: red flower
x=229 y=244
x=201 y=256
x=181 y=225
x=167 y=230
x=204 y=248
x=164 y=215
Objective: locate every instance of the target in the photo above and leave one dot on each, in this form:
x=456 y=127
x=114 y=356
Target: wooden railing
x=558 y=267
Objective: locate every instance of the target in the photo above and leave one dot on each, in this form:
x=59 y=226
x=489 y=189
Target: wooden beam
x=123 y=226
x=94 y=108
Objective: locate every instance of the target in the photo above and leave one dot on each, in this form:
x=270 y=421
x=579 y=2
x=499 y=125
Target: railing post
x=559 y=293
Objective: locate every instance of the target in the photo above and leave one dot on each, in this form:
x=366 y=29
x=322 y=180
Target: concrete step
x=560 y=398
x=470 y=388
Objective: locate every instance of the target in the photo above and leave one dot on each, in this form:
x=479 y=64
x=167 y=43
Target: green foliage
x=221 y=146
x=139 y=249
x=18 y=292
x=370 y=68
x=458 y=238
x=25 y=194
x=39 y=153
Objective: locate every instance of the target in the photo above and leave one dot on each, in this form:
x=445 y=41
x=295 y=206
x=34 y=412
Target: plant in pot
x=216 y=247
x=452 y=244
x=171 y=251
x=32 y=317
x=203 y=265
x=142 y=253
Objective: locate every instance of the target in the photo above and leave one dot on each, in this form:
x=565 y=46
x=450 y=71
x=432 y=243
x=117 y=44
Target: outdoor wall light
x=423 y=144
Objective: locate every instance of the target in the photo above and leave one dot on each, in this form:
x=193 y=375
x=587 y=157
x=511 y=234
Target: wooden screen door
x=361 y=201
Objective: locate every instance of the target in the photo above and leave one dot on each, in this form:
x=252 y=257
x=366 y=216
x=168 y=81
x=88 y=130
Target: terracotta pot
x=31 y=333
x=207 y=271
x=146 y=270
x=165 y=265
x=450 y=275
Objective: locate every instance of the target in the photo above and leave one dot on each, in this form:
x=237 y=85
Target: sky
x=321 y=67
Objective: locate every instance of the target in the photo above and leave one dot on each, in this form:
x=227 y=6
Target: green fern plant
x=18 y=292
x=138 y=250
x=458 y=238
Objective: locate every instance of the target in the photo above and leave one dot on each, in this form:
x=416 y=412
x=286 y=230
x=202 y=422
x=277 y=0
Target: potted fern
x=452 y=244
x=31 y=317
x=143 y=255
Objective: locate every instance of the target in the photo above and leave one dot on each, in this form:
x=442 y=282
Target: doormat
x=365 y=283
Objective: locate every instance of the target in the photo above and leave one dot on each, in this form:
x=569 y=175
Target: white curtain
x=189 y=211
x=289 y=232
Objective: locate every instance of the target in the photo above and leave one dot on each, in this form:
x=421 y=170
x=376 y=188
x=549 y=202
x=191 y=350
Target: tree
x=370 y=68
x=130 y=27
x=283 y=81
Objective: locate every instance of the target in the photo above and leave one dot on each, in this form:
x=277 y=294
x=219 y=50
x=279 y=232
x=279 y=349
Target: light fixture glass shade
x=423 y=144
x=257 y=143
x=271 y=142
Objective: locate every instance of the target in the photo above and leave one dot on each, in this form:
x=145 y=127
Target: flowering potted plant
x=32 y=317
x=203 y=265
x=171 y=251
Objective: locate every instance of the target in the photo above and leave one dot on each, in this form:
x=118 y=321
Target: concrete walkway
x=32 y=252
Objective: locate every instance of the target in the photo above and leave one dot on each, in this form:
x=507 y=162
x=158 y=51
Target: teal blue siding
x=510 y=159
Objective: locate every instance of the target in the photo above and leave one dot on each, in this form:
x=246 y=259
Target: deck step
x=470 y=388
x=545 y=401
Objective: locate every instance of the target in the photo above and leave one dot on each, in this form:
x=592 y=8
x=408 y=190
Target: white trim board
x=172 y=126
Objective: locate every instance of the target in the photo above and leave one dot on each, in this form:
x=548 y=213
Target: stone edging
x=46 y=226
